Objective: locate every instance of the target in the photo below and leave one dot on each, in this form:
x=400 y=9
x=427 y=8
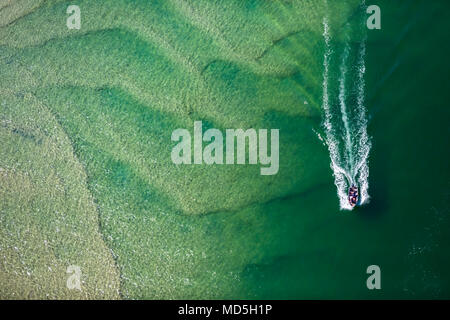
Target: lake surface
x=86 y=176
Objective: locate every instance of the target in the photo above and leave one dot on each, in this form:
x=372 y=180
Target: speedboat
x=353 y=196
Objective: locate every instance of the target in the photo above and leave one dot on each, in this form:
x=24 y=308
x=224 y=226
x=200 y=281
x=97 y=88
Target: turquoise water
x=86 y=121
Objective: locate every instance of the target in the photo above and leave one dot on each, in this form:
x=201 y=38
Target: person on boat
x=353 y=195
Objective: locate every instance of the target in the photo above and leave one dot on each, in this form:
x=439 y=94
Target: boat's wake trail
x=345 y=122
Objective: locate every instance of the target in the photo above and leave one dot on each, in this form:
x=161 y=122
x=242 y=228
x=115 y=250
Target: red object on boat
x=353 y=195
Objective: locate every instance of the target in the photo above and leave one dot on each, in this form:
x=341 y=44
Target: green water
x=86 y=120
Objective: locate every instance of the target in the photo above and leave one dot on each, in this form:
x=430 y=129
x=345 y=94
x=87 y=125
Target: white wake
x=345 y=125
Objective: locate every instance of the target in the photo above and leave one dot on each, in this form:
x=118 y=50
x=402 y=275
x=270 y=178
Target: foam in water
x=345 y=125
